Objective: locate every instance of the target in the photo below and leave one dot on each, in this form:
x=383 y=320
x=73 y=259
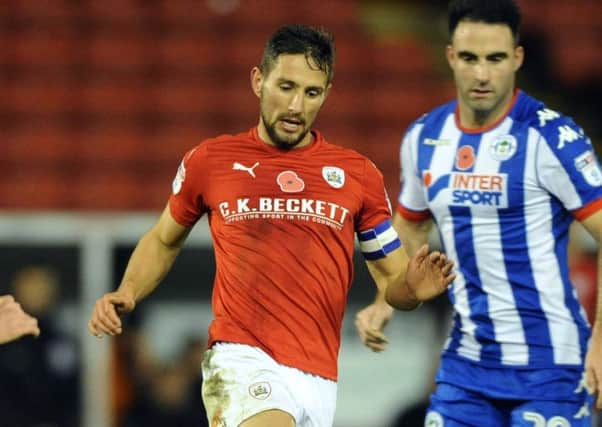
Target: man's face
x=484 y=61
x=291 y=95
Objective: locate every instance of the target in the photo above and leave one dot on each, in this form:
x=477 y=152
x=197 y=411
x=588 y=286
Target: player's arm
x=426 y=276
x=413 y=234
x=151 y=260
x=593 y=362
x=372 y=319
x=403 y=283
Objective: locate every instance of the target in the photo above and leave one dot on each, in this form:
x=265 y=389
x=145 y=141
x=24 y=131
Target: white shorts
x=240 y=381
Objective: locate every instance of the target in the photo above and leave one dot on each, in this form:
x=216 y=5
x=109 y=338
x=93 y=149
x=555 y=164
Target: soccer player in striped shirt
x=284 y=206
x=503 y=176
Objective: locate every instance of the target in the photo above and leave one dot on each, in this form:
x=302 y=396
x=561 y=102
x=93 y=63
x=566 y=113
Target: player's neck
x=469 y=119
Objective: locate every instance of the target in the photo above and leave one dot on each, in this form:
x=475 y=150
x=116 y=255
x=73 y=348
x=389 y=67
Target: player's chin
x=290 y=141
x=484 y=105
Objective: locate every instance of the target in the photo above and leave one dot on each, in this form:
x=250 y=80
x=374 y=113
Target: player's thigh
x=453 y=406
x=552 y=414
x=317 y=396
x=270 y=418
x=242 y=382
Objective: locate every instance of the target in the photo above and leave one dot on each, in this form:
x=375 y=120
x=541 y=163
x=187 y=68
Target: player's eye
x=496 y=58
x=468 y=58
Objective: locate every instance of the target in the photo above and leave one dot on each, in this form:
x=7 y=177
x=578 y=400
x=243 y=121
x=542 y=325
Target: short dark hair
x=488 y=11
x=314 y=43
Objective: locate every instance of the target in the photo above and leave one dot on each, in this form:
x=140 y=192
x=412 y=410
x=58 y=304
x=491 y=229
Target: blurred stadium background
x=100 y=99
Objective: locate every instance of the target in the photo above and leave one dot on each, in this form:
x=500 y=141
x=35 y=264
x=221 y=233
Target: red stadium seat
x=184 y=51
x=39 y=98
x=45 y=48
x=119 y=146
x=127 y=11
x=113 y=98
x=44 y=146
x=32 y=187
x=53 y=10
x=117 y=51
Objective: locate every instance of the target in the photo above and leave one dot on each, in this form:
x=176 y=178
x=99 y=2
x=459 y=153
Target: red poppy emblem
x=427 y=179
x=465 y=157
x=289 y=182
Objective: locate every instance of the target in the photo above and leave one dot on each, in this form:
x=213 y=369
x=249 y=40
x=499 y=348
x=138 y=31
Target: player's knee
x=271 y=418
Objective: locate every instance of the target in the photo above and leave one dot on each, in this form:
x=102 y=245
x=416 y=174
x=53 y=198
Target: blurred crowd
x=148 y=391
x=41 y=376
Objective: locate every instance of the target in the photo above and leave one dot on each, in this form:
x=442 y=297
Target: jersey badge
x=433 y=419
x=176 y=185
x=503 y=147
x=588 y=166
x=261 y=390
x=465 y=157
x=334 y=176
x=240 y=167
x=290 y=182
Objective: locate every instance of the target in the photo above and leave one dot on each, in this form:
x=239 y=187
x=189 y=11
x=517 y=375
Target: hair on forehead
x=315 y=43
x=505 y=12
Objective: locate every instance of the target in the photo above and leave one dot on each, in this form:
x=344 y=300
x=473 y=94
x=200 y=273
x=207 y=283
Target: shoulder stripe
x=588 y=210
x=411 y=215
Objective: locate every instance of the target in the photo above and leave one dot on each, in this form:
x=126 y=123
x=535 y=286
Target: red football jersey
x=283 y=225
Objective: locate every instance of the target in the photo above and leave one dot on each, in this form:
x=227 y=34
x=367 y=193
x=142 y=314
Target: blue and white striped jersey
x=503 y=199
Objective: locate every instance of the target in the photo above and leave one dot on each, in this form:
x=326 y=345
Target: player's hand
x=105 y=317
x=428 y=275
x=14 y=322
x=370 y=323
x=593 y=365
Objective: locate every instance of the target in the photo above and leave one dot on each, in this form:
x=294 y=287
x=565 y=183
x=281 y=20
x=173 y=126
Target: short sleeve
x=412 y=204
x=376 y=206
x=186 y=202
x=568 y=167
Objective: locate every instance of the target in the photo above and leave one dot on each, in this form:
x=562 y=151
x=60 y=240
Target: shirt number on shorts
x=539 y=420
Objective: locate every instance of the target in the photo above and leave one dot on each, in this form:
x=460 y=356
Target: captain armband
x=377 y=242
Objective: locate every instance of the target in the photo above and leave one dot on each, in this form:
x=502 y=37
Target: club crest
x=261 y=390
x=334 y=176
x=176 y=185
x=503 y=147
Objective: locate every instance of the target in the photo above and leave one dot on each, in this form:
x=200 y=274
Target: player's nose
x=295 y=104
x=482 y=72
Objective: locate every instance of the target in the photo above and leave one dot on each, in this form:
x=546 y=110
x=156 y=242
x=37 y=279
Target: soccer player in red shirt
x=284 y=206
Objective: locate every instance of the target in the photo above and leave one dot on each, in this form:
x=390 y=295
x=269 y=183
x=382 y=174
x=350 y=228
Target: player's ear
x=256 y=81
x=519 y=57
x=327 y=91
x=450 y=54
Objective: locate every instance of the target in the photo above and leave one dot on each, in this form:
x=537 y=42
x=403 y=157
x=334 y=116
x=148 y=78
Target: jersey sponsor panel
x=468 y=189
x=291 y=209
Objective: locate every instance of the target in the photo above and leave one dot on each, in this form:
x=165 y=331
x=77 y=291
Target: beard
x=286 y=142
